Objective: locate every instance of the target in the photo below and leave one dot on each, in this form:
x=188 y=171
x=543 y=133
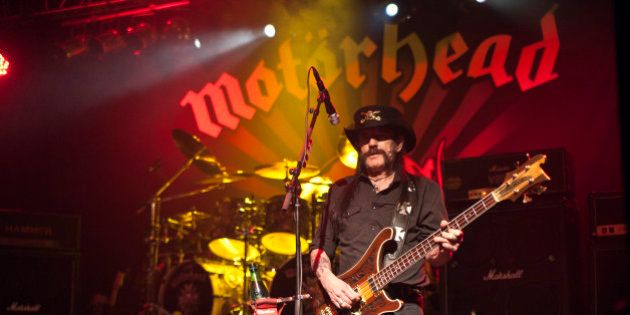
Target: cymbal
x=216 y=266
x=232 y=249
x=226 y=178
x=280 y=170
x=187 y=218
x=209 y=165
x=319 y=181
x=317 y=186
x=191 y=147
x=283 y=243
x=187 y=143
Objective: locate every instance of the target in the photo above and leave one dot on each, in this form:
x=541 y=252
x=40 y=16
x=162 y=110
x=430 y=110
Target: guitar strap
x=400 y=221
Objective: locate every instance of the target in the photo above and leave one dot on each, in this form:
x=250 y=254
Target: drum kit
x=206 y=251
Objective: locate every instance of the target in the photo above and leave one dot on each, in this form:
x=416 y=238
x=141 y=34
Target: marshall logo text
x=24 y=308
x=493 y=275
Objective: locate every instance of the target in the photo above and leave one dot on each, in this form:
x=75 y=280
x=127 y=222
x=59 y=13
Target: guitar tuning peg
x=540 y=189
x=527 y=155
x=527 y=198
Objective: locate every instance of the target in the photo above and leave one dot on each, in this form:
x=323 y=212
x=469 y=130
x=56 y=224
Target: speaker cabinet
x=514 y=260
x=38 y=282
x=608 y=255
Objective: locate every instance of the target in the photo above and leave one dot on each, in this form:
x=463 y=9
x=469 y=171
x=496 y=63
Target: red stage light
x=141 y=36
x=108 y=41
x=4 y=65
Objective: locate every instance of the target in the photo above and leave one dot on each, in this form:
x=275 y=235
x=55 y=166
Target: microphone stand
x=292 y=197
x=154 y=235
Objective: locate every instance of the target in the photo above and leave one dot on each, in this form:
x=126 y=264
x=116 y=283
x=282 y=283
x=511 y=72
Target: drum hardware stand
x=292 y=198
x=154 y=240
x=247 y=229
x=244 y=264
x=313 y=220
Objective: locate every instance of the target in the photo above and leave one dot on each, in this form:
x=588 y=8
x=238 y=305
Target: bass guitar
x=369 y=278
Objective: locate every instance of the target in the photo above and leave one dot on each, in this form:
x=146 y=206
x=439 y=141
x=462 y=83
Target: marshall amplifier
x=40 y=263
x=609 y=289
x=470 y=178
x=39 y=231
x=515 y=259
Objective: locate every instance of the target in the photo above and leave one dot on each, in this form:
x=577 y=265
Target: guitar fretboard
x=380 y=279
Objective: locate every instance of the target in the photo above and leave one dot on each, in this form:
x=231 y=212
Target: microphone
x=333 y=117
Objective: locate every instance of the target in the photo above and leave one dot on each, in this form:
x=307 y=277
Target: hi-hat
x=226 y=178
x=191 y=147
x=280 y=170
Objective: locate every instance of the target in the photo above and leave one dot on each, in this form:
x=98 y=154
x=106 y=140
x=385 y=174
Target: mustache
x=373 y=151
x=370 y=152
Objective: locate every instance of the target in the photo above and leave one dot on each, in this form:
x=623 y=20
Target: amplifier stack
x=40 y=262
x=518 y=258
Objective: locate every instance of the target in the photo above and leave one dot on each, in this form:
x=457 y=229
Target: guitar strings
x=386 y=274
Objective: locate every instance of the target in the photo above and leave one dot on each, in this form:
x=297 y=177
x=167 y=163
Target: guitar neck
x=380 y=279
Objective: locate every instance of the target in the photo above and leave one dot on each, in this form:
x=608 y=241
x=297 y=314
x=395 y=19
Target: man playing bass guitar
x=381 y=194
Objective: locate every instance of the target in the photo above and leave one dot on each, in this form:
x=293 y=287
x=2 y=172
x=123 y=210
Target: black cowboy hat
x=380 y=116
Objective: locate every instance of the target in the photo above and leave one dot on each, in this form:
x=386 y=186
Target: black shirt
x=369 y=212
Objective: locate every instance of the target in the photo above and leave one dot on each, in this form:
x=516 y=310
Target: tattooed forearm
x=320 y=262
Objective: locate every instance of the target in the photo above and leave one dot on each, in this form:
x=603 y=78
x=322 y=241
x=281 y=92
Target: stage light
x=346 y=153
x=75 y=46
x=176 y=28
x=108 y=41
x=4 y=65
x=141 y=36
x=480 y=1
x=391 y=9
x=197 y=43
x=270 y=30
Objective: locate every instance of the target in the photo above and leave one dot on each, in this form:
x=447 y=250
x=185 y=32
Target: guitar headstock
x=523 y=180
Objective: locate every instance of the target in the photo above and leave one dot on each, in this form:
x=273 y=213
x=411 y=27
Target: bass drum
x=189 y=290
x=283 y=285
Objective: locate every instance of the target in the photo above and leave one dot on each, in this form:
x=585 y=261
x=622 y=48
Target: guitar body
x=372 y=302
